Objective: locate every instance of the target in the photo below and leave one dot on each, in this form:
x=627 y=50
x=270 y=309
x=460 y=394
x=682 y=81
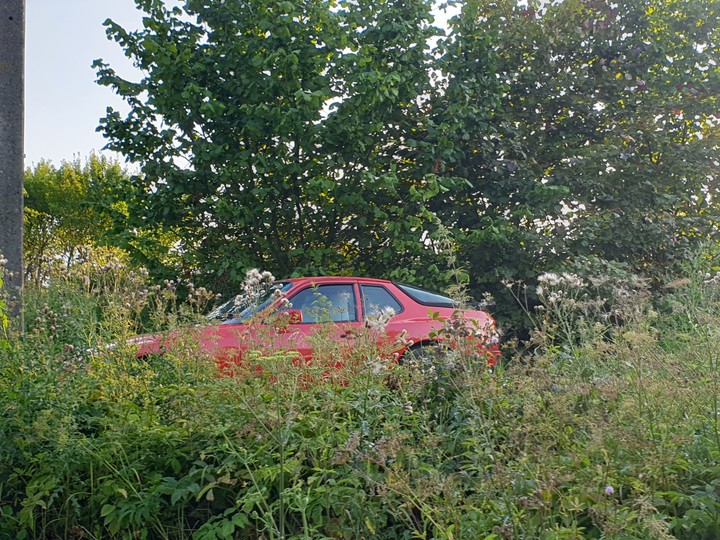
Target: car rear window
x=427 y=298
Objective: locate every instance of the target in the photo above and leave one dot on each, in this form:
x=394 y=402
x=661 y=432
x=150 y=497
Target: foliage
x=618 y=439
x=603 y=138
x=350 y=137
x=77 y=207
x=277 y=133
x=67 y=209
x=3 y=306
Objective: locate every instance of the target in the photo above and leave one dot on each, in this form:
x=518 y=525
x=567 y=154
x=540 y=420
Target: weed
x=605 y=426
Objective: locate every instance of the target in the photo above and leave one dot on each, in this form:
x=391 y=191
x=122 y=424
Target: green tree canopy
x=276 y=134
x=68 y=208
x=340 y=135
x=604 y=141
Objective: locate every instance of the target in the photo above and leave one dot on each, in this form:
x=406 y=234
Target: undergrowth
x=606 y=425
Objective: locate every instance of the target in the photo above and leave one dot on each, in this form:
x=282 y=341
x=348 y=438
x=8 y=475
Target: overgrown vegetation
x=606 y=426
x=359 y=139
x=342 y=136
x=562 y=156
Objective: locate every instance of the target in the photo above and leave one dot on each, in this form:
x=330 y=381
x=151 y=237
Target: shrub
x=595 y=434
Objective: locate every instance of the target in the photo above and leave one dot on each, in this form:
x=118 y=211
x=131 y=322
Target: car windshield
x=241 y=309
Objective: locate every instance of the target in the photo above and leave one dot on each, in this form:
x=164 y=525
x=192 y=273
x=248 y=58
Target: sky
x=63 y=104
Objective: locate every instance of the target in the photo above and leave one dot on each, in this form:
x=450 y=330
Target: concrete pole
x=12 y=55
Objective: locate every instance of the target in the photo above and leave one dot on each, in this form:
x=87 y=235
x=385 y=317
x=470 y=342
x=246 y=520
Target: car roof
x=334 y=279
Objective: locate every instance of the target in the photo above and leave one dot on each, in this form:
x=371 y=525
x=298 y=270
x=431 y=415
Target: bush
x=605 y=433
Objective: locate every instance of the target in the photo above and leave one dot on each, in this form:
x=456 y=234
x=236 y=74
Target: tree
x=604 y=141
x=67 y=209
x=274 y=134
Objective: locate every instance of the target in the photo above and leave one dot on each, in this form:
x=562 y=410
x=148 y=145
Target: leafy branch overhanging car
x=340 y=308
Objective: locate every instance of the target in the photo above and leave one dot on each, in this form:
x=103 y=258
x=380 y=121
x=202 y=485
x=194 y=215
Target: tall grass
x=607 y=427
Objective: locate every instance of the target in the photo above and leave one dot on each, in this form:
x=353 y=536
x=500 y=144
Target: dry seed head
x=377 y=366
x=549 y=278
x=712 y=281
x=379 y=321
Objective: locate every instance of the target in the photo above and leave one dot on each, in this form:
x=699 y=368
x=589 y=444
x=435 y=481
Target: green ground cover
x=605 y=425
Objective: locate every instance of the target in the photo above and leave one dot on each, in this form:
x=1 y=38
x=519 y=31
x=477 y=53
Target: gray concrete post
x=12 y=55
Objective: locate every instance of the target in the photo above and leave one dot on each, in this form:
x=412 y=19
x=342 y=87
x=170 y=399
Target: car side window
x=326 y=303
x=376 y=298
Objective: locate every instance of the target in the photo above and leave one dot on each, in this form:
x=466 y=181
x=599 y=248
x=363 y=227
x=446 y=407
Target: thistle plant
x=571 y=312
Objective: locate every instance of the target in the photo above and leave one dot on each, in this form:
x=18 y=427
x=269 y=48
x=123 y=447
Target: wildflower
x=609 y=490
x=252 y=275
x=488 y=300
x=573 y=281
x=549 y=279
x=377 y=366
x=714 y=280
x=565 y=279
x=277 y=292
x=379 y=320
x=256 y=285
x=403 y=340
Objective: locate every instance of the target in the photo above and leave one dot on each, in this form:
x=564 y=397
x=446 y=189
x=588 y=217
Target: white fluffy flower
x=379 y=320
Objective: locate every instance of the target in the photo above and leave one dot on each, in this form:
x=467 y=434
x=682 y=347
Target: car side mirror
x=294 y=316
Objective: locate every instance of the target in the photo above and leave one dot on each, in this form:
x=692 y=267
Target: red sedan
x=285 y=316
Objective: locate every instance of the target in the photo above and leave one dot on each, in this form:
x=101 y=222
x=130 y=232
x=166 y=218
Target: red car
x=340 y=309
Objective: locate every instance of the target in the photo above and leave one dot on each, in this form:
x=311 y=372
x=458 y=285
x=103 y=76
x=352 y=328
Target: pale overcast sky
x=63 y=104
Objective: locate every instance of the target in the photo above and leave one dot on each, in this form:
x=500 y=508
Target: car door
x=330 y=321
x=377 y=303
